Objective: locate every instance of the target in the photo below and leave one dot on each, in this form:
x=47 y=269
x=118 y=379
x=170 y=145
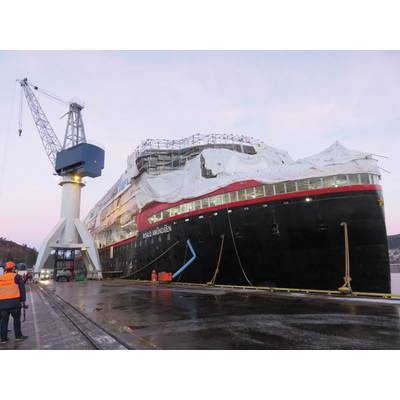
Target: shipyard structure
x=230 y=209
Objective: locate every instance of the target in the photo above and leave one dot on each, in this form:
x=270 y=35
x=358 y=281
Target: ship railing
x=194 y=140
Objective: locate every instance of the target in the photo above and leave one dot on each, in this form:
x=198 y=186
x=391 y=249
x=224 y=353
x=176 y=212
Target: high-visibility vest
x=8 y=288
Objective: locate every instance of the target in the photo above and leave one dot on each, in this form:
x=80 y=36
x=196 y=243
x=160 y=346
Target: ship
x=232 y=210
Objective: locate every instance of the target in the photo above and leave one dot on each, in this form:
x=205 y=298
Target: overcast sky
x=298 y=101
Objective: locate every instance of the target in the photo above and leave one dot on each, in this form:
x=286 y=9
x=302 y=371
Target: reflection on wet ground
x=168 y=317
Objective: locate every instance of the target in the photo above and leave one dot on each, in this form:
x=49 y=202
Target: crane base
x=85 y=245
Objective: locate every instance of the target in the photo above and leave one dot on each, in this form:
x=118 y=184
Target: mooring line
x=151 y=262
x=236 y=250
x=218 y=262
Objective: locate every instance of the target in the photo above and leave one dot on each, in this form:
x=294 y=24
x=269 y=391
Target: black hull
x=290 y=243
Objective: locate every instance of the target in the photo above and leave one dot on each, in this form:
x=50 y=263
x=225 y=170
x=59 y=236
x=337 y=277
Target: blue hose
x=187 y=263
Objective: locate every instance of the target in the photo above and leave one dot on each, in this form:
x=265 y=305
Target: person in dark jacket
x=12 y=298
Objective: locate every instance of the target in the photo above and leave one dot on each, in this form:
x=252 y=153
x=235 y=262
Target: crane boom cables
x=20 y=111
x=49 y=139
x=46 y=93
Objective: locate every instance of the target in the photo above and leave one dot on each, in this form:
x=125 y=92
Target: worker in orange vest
x=12 y=298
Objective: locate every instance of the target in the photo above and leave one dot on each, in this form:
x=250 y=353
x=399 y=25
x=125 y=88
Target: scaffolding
x=158 y=155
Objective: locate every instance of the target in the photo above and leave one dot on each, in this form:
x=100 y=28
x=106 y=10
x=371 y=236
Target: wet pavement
x=46 y=328
x=169 y=317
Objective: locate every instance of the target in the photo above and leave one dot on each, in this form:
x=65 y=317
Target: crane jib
x=47 y=135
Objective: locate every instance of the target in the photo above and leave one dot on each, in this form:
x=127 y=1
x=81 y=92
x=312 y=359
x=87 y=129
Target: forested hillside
x=18 y=253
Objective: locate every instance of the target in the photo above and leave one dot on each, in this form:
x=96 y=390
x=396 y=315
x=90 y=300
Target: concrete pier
x=47 y=328
x=146 y=316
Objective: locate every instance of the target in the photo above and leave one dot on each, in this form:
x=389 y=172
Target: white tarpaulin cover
x=269 y=165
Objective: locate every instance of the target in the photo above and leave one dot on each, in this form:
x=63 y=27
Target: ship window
x=353 y=179
x=259 y=191
x=364 y=178
x=241 y=195
x=234 y=196
x=303 y=185
x=168 y=236
x=156 y=217
x=174 y=211
x=190 y=206
x=371 y=178
x=216 y=200
x=329 y=181
x=290 y=187
x=197 y=205
x=204 y=203
x=220 y=199
x=227 y=198
x=182 y=209
x=341 y=180
x=211 y=201
x=250 y=194
x=269 y=190
x=315 y=183
x=166 y=213
x=279 y=188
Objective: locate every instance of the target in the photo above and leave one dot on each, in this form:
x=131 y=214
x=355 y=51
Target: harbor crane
x=72 y=161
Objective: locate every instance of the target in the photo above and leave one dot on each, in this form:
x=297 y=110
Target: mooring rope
x=151 y=262
x=236 y=250
x=218 y=262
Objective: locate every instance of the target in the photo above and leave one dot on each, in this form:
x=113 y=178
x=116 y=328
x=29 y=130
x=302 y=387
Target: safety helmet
x=9 y=265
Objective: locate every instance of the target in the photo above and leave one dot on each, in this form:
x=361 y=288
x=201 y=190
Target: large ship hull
x=293 y=242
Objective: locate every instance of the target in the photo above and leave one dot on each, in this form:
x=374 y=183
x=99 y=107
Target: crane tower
x=72 y=161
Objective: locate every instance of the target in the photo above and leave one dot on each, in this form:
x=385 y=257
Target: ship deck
x=119 y=314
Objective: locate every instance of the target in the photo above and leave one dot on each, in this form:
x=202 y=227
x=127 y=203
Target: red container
x=165 y=276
